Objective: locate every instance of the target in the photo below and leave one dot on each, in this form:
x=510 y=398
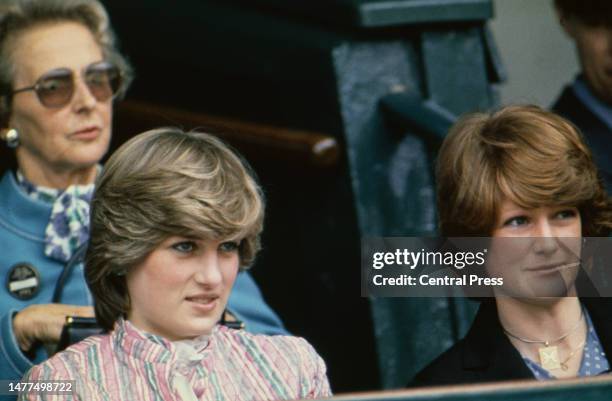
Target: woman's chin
x=83 y=155
x=198 y=329
x=199 y=325
x=542 y=295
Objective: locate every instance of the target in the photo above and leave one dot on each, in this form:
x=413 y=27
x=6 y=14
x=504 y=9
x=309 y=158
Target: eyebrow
x=512 y=211
x=57 y=69
x=56 y=72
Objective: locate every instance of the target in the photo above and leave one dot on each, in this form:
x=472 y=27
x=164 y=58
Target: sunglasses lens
x=55 y=90
x=103 y=80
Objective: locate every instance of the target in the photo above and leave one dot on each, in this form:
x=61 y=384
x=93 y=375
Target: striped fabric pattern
x=128 y=364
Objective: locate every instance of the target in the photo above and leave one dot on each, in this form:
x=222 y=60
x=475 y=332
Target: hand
x=44 y=322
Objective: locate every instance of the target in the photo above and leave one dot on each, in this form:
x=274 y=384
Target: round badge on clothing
x=23 y=281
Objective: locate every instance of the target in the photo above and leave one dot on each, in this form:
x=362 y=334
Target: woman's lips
x=552 y=268
x=203 y=304
x=88 y=133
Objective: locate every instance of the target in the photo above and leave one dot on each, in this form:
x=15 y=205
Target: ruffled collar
x=153 y=348
x=184 y=359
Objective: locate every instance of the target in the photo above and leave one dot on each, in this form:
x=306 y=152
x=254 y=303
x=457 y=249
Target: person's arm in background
x=13 y=362
x=28 y=329
x=247 y=304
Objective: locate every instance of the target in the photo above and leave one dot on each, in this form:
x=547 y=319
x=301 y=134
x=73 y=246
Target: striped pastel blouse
x=129 y=364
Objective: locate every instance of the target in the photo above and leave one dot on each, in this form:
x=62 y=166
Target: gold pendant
x=549 y=358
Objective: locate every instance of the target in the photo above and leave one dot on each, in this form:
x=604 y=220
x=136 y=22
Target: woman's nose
x=82 y=97
x=208 y=271
x=544 y=237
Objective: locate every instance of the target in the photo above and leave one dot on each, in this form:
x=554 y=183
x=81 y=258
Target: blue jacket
x=22 y=226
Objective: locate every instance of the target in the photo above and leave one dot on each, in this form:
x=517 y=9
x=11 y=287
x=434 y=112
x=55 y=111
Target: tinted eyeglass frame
x=112 y=83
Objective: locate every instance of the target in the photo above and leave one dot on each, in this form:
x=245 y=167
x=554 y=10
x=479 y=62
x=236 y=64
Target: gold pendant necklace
x=549 y=354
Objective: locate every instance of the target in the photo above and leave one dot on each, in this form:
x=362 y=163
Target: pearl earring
x=11 y=136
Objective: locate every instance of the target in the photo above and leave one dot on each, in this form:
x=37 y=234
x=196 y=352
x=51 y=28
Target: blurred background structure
x=536 y=53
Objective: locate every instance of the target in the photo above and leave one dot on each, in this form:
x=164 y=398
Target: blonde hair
x=529 y=155
x=161 y=183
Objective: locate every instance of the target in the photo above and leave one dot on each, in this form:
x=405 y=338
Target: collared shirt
x=231 y=365
x=594 y=360
x=601 y=109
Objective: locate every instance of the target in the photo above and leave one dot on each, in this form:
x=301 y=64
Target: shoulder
x=293 y=360
x=445 y=369
x=483 y=355
x=297 y=346
x=74 y=362
x=566 y=101
x=9 y=189
x=280 y=351
x=6 y=182
x=569 y=106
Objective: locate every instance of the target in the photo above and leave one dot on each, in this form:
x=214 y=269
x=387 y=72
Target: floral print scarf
x=68 y=226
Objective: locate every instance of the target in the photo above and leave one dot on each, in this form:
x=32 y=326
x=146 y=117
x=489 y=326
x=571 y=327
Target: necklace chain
x=571 y=354
x=547 y=342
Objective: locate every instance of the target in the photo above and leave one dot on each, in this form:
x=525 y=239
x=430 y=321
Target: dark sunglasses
x=56 y=87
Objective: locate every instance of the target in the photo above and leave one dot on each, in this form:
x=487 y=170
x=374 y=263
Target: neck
x=58 y=178
x=540 y=321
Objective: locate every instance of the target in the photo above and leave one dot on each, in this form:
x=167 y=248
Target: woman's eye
x=516 y=221
x=185 y=246
x=566 y=214
x=229 y=246
x=52 y=85
x=99 y=78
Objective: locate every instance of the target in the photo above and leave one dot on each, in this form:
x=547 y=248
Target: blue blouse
x=594 y=361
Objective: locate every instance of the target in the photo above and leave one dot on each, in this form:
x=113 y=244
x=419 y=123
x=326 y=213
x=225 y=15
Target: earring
x=11 y=136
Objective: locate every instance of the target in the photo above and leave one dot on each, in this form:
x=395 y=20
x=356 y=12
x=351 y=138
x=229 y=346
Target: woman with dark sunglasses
x=59 y=73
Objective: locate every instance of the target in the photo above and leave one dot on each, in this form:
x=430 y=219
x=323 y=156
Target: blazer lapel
x=488 y=352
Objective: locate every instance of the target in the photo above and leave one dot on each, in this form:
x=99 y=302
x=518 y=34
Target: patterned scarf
x=68 y=226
